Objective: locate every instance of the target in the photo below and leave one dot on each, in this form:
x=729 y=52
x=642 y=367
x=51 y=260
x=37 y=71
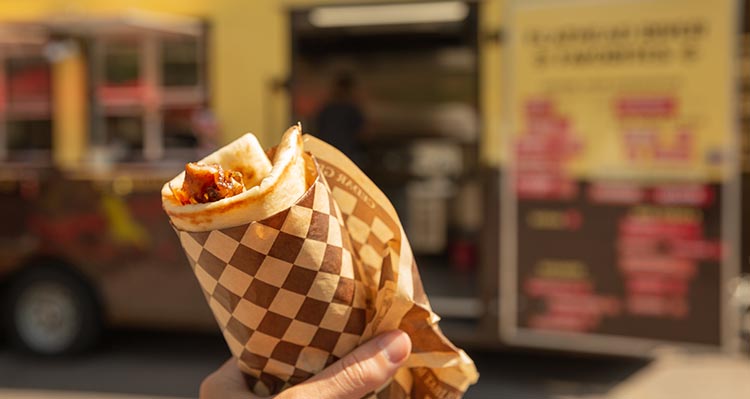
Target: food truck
x=512 y=219
x=85 y=243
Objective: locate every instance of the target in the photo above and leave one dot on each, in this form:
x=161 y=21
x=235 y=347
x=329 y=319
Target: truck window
x=125 y=137
x=152 y=96
x=121 y=63
x=180 y=62
x=26 y=118
x=29 y=79
x=187 y=122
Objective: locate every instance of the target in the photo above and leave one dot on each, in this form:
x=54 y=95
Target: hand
x=363 y=370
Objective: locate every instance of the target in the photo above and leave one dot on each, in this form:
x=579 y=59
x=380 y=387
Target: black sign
x=622 y=259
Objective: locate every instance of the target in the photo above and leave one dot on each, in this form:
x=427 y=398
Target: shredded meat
x=208 y=183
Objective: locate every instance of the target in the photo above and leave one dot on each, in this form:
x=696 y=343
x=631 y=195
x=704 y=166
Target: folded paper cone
x=298 y=290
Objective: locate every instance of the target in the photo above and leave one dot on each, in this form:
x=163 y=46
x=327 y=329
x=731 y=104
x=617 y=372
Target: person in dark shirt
x=340 y=121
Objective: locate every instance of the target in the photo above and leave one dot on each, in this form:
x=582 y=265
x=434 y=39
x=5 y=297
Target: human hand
x=361 y=371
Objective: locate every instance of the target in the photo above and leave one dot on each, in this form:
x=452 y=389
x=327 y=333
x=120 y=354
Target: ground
x=134 y=364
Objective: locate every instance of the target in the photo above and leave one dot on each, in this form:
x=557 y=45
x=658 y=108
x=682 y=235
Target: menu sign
x=617 y=229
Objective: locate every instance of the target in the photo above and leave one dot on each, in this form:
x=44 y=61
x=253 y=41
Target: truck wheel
x=50 y=311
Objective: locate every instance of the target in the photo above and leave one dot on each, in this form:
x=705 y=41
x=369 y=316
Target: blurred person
x=340 y=121
x=364 y=370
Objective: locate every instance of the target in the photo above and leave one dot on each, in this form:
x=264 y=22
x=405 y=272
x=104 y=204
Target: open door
x=395 y=87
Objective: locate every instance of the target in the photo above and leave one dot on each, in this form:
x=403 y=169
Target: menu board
x=622 y=176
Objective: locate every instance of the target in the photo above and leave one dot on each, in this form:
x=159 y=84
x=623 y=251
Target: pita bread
x=271 y=186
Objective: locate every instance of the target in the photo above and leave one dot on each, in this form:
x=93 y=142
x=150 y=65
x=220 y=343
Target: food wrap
x=300 y=289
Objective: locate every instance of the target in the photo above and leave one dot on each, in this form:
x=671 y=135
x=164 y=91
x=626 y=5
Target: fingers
x=363 y=370
x=226 y=383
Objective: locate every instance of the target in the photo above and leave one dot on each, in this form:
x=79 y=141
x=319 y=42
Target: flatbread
x=271 y=186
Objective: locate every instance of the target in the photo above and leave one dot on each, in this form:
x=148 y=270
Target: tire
x=51 y=311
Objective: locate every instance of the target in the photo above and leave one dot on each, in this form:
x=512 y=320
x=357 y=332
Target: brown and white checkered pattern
x=378 y=242
x=286 y=291
x=371 y=231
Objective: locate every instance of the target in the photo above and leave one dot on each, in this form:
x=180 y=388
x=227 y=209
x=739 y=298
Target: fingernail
x=396 y=346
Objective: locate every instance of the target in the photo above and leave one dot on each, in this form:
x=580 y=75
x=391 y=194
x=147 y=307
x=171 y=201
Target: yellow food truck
x=107 y=100
x=103 y=101
x=97 y=114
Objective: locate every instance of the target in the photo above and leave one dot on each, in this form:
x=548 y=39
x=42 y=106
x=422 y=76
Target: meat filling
x=208 y=183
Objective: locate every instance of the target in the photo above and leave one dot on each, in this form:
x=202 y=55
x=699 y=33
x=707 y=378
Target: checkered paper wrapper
x=295 y=292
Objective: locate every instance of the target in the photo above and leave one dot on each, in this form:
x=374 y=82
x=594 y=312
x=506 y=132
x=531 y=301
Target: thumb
x=361 y=371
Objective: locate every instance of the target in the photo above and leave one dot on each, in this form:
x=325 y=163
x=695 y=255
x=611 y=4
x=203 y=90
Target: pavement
x=148 y=364
x=47 y=394
x=680 y=376
x=139 y=365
